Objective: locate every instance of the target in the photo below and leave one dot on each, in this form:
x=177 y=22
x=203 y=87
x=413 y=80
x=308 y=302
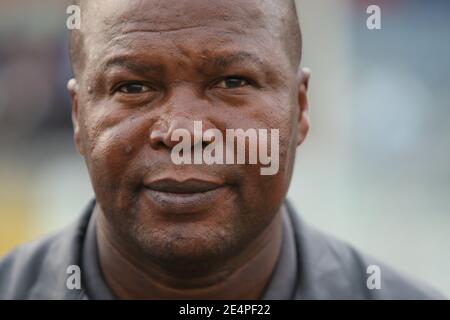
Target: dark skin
x=152 y=67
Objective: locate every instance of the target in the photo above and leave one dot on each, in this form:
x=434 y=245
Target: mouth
x=186 y=187
x=184 y=196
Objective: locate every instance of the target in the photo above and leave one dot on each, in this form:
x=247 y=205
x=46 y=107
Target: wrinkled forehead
x=115 y=24
x=160 y=15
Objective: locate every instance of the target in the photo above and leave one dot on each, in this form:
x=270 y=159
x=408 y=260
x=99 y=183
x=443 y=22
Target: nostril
x=156 y=139
x=157 y=134
x=184 y=129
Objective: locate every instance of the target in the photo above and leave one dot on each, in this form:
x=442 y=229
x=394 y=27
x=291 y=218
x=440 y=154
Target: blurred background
x=375 y=169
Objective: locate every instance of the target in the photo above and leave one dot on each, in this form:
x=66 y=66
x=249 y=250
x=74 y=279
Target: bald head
x=280 y=19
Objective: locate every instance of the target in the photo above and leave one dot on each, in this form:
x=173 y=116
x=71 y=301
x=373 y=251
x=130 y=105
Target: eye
x=232 y=83
x=133 y=88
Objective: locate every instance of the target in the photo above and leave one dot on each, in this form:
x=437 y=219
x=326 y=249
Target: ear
x=303 y=118
x=73 y=88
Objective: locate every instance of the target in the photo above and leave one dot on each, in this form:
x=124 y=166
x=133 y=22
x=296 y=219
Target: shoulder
x=37 y=270
x=334 y=269
x=373 y=279
x=21 y=268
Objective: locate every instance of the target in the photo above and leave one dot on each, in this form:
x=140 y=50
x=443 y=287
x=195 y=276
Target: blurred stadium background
x=374 y=171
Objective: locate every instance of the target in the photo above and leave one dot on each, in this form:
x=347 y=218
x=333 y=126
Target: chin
x=189 y=248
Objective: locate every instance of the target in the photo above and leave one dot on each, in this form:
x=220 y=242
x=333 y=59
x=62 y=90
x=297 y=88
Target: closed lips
x=183 y=187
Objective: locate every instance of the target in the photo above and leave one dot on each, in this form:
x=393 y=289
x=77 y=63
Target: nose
x=166 y=134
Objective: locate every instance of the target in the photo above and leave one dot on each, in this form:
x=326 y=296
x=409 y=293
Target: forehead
x=196 y=27
x=173 y=14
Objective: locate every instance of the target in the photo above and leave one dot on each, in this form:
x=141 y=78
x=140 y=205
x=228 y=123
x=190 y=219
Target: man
x=157 y=230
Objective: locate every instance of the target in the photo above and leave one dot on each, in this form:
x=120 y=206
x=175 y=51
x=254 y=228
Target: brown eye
x=232 y=83
x=133 y=88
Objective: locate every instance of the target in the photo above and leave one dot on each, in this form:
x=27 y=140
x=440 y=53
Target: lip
x=186 y=196
x=189 y=186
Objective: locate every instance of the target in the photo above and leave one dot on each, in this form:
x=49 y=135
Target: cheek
x=114 y=143
x=270 y=190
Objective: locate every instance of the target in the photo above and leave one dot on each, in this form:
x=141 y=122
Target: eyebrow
x=225 y=61
x=132 y=65
x=219 y=62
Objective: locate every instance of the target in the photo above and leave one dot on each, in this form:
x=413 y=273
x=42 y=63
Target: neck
x=245 y=276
